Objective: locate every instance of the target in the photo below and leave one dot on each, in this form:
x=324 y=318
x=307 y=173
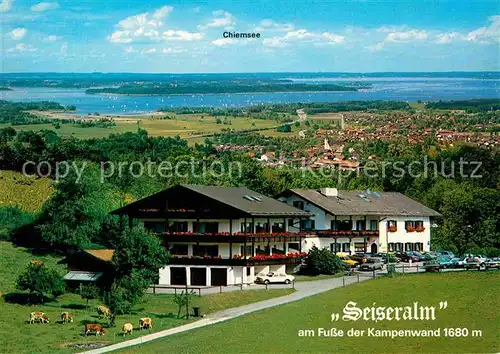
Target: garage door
x=218 y=276
x=177 y=275
x=198 y=276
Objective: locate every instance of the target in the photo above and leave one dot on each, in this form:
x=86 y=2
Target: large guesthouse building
x=352 y=221
x=222 y=236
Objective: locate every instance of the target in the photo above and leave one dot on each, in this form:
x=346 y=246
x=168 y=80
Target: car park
x=359 y=257
x=273 y=277
x=344 y=258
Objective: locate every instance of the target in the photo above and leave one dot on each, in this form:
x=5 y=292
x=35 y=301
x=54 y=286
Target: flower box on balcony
x=392 y=229
x=420 y=229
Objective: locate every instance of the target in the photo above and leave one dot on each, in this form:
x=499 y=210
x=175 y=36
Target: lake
x=410 y=89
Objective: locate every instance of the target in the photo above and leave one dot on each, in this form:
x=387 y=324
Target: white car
x=273 y=277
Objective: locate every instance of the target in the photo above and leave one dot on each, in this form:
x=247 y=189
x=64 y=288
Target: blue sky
x=186 y=36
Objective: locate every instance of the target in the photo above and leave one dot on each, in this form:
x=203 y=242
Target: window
x=335 y=247
x=249 y=271
x=359 y=247
x=290 y=222
x=246 y=228
x=392 y=225
x=307 y=224
x=391 y=247
x=399 y=246
x=414 y=225
x=346 y=246
x=341 y=225
x=249 y=250
x=408 y=246
x=279 y=227
x=293 y=247
x=155 y=226
x=205 y=227
x=373 y=225
x=418 y=246
x=206 y=250
x=179 y=226
x=261 y=227
x=179 y=250
x=298 y=204
x=360 y=225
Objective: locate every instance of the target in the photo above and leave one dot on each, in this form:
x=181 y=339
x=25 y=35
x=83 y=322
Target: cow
x=38 y=317
x=93 y=327
x=127 y=328
x=145 y=322
x=103 y=311
x=66 y=317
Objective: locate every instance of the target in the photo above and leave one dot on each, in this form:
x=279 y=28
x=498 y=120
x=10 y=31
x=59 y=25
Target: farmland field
x=472 y=303
x=16 y=336
x=27 y=193
x=185 y=126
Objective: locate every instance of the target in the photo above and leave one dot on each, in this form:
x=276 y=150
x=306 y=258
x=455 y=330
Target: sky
x=295 y=36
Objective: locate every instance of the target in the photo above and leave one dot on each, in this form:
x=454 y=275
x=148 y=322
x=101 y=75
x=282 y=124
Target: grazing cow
x=66 y=317
x=93 y=327
x=127 y=328
x=145 y=322
x=103 y=311
x=38 y=317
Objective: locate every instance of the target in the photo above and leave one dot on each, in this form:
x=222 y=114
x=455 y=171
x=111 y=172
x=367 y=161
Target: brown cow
x=103 y=311
x=93 y=327
x=38 y=317
x=66 y=317
x=145 y=322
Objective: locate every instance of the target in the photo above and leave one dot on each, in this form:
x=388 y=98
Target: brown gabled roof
x=105 y=255
x=356 y=202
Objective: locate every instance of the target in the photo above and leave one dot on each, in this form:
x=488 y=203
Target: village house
x=221 y=235
x=362 y=221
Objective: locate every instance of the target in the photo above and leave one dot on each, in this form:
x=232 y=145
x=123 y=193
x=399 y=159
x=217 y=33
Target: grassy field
x=27 y=193
x=472 y=299
x=186 y=126
x=16 y=336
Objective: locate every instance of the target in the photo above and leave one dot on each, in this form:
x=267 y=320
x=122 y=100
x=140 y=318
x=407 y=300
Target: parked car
x=372 y=264
x=388 y=258
x=344 y=258
x=448 y=254
x=359 y=257
x=492 y=263
x=273 y=277
x=475 y=262
x=407 y=256
x=438 y=263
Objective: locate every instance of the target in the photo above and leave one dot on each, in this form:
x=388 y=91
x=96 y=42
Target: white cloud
x=129 y=49
x=149 y=27
x=398 y=37
x=6 y=5
x=173 y=50
x=488 y=34
x=18 y=33
x=443 y=38
x=148 y=51
x=222 y=42
x=333 y=38
x=45 y=6
x=303 y=35
x=407 y=36
x=392 y=28
x=21 y=47
x=270 y=25
x=222 y=19
x=182 y=35
x=52 y=38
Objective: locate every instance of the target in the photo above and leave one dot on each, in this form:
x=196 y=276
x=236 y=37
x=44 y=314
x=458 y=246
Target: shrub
x=88 y=292
x=321 y=261
x=41 y=280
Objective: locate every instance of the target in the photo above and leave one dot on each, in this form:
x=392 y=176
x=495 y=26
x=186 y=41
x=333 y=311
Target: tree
x=321 y=261
x=88 y=292
x=182 y=300
x=41 y=280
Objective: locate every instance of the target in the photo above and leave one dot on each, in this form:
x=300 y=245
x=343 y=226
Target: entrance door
x=218 y=276
x=374 y=248
x=198 y=276
x=177 y=275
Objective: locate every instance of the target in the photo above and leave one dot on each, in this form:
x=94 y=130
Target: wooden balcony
x=347 y=233
x=257 y=260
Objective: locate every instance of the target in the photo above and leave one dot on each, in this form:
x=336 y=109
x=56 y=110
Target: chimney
x=330 y=192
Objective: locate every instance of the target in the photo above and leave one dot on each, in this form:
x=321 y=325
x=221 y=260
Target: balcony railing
x=347 y=233
x=237 y=260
